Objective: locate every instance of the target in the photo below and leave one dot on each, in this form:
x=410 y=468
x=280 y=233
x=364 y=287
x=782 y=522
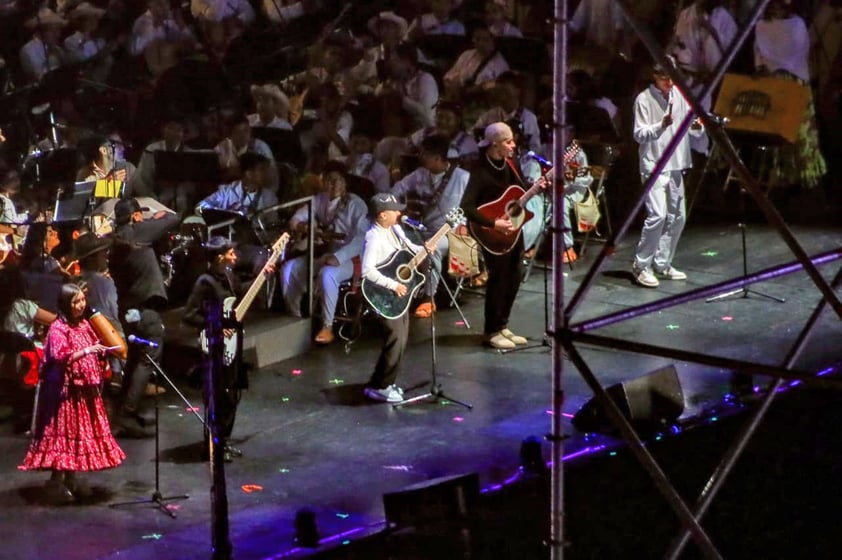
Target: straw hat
x=391 y=16
x=45 y=17
x=271 y=90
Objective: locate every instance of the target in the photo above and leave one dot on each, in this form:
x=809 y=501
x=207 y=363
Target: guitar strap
x=511 y=164
x=434 y=200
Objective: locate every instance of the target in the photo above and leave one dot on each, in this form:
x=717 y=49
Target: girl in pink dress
x=71 y=427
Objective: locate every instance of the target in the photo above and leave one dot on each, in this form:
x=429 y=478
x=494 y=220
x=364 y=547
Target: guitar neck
x=422 y=254
x=569 y=156
x=242 y=307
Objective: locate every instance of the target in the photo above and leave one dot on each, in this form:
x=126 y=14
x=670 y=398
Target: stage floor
x=310 y=439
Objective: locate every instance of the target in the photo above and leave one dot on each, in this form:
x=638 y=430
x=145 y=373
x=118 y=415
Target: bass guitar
x=237 y=313
x=512 y=205
x=403 y=267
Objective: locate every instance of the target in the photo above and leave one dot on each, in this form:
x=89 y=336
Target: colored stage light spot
x=403 y=468
x=337 y=381
x=459 y=323
x=192 y=409
x=550 y=412
x=283 y=471
x=673 y=327
x=567 y=415
x=343 y=515
x=172 y=406
x=284 y=399
x=251 y=488
x=613 y=453
x=153 y=536
x=458 y=419
x=296 y=372
x=709 y=254
x=727 y=318
x=346 y=542
x=444 y=402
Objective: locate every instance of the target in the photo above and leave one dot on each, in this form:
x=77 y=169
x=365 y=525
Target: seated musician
x=508 y=108
x=103 y=160
x=438 y=21
x=218 y=284
x=9 y=190
x=179 y=196
x=476 y=66
x=246 y=197
x=160 y=35
x=86 y=44
x=449 y=123
x=238 y=142
x=340 y=222
x=577 y=181
x=272 y=107
x=361 y=161
x=407 y=91
x=43 y=52
x=432 y=190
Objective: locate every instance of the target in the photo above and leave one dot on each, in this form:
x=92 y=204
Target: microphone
x=414 y=224
x=142 y=341
x=539 y=159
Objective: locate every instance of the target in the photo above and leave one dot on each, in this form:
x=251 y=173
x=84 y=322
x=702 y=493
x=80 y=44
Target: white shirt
x=420 y=95
x=602 y=22
x=426 y=184
x=349 y=217
x=81 y=48
x=276 y=122
x=380 y=244
x=650 y=106
x=144 y=32
x=35 y=61
x=8 y=212
x=783 y=44
x=217 y=10
x=700 y=40
x=505 y=29
x=365 y=165
x=468 y=62
x=431 y=25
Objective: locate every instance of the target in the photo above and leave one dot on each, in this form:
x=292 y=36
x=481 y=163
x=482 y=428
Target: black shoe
x=78 y=486
x=130 y=426
x=57 y=494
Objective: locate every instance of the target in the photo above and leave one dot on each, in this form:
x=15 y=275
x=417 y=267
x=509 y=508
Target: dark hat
x=384 y=201
x=124 y=209
x=218 y=245
x=88 y=243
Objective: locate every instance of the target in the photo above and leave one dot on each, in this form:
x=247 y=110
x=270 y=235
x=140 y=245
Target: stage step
x=269 y=337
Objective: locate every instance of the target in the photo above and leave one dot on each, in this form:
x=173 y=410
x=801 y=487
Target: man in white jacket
x=658 y=112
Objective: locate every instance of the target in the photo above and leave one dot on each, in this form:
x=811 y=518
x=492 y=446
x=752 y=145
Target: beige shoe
x=517 y=339
x=499 y=341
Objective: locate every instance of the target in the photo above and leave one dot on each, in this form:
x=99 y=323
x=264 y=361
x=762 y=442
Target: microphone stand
x=436 y=391
x=158 y=499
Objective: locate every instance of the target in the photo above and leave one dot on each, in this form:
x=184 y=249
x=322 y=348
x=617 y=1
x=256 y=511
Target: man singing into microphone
x=658 y=111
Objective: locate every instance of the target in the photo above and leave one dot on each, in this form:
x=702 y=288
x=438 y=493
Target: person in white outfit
x=658 y=111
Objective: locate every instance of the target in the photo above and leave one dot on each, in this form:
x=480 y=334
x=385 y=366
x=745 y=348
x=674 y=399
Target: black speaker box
x=649 y=402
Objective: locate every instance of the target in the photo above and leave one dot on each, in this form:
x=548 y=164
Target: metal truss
x=569 y=334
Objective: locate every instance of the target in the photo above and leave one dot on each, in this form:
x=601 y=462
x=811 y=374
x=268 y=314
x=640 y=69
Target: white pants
x=665 y=216
x=328 y=279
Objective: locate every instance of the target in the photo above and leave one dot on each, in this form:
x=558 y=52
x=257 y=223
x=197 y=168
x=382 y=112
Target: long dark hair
x=68 y=293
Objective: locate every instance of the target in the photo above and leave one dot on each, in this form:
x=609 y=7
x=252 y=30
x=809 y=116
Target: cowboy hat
x=44 y=17
x=88 y=244
x=390 y=16
x=86 y=9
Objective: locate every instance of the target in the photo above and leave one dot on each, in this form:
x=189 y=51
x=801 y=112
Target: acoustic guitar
x=512 y=205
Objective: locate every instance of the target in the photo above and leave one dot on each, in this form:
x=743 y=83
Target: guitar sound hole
x=404 y=274
x=514 y=211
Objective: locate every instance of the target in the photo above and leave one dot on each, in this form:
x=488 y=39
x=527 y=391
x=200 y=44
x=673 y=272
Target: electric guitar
x=403 y=267
x=512 y=205
x=237 y=313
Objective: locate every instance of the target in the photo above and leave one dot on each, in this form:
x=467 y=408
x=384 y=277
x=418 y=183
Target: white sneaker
x=397 y=389
x=517 y=339
x=671 y=274
x=645 y=278
x=499 y=341
x=388 y=395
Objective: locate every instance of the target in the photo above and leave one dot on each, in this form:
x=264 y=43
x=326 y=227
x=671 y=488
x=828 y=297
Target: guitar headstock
x=455 y=216
x=278 y=246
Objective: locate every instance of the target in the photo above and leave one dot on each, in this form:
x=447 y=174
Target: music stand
x=285 y=144
x=197 y=166
x=73 y=203
x=53 y=166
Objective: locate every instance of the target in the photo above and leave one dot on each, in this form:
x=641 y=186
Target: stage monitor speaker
x=440 y=501
x=766 y=106
x=648 y=402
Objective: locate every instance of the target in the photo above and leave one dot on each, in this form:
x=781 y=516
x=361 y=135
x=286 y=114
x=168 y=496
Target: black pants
x=138 y=370
x=228 y=395
x=391 y=354
x=504 y=276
